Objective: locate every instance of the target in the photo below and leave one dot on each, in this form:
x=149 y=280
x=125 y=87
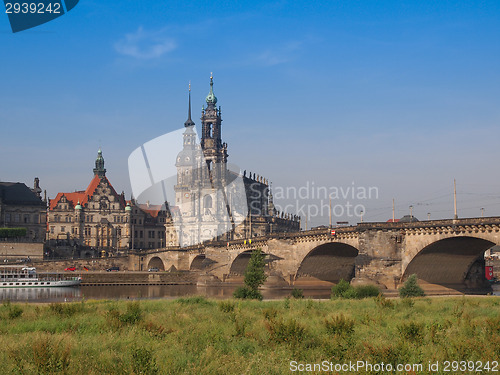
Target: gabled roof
x=83 y=196
x=17 y=193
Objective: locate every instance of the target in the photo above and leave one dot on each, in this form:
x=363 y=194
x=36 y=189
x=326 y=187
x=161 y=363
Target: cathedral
x=214 y=201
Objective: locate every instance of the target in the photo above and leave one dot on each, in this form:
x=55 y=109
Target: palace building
x=101 y=219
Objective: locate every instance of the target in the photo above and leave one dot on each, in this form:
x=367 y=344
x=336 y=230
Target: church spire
x=99 y=169
x=189 y=122
x=211 y=98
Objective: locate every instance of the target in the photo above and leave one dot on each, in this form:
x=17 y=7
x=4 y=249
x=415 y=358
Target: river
x=140 y=292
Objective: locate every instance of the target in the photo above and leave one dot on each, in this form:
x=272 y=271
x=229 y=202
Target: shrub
x=12 y=232
x=66 y=309
x=345 y=290
x=133 y=313
x=297 y=293
x=244 y=292
x=384 y=302
x=365 y=291
x=339 y=289
x=285 y=332
x=340 y=325
x=15 y=311
x=411 y=331
x=143 y=361
x=50 y=356
x=411 y=288
x=254 y=274
x=196 y=300
x=226 y=306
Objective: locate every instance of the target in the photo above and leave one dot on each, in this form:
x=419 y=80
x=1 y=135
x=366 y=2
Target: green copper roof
x=211 y=98
x=78 y=206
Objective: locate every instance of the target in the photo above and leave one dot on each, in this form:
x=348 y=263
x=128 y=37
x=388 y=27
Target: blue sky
x=401 y=95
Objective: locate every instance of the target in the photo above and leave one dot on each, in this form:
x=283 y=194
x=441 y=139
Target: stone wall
x=13 y=251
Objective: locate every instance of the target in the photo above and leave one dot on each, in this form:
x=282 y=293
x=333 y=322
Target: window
x=26 y=218
x=63 y=229
x=52 y=230
x=7 y=218
x=36 y=218
x=141 y=235
x=118 y=231
x=17 y=218
x=208 y=201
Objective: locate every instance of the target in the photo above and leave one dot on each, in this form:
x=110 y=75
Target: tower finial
x=211 y=98
x=189 y=122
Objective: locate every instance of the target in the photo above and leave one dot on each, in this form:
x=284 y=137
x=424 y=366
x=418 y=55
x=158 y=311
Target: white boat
x=26 y=277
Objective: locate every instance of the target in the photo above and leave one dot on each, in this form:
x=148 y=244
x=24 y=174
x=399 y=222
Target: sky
x=400 y=96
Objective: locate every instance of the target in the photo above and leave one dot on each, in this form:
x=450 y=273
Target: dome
x=78 y=206
x=128 y=208
x=408 y=219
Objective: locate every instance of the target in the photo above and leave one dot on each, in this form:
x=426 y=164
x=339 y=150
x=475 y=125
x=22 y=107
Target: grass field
x=199 y=336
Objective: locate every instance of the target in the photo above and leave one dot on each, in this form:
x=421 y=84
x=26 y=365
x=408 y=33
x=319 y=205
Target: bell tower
x=211 y=139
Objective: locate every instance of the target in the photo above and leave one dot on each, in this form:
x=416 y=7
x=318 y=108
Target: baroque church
x=212 y=201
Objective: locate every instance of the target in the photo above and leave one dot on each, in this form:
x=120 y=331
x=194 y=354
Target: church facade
x=209 y=202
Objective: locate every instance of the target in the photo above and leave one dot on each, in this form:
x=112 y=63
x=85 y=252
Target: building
x=204 y=207
x=98 y=220
x=22 y=207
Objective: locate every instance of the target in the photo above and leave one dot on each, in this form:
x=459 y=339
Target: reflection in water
x=142 y=292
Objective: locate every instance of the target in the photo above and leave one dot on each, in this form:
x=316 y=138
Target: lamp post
x=362 y=212
x=482 y=212
x=411 y=213
x=428 y=215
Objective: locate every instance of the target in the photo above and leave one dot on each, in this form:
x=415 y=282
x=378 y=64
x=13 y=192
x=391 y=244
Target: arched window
x=207 y=201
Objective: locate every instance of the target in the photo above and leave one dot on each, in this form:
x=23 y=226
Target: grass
x=200 y=336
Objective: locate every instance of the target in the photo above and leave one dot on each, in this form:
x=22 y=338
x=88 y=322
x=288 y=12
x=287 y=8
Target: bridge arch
x=330 y=262
x=200 y=262
x=240 y=263
x=455 y=262
x=156 y=262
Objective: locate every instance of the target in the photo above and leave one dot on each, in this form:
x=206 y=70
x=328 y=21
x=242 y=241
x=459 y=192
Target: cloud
x=145 y=45
x=279 y=55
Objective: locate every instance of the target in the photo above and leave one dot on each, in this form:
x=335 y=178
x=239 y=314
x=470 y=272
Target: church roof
x=19 y=194
x=83 y=196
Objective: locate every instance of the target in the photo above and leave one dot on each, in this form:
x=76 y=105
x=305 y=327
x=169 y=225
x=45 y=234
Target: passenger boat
x=27 y=277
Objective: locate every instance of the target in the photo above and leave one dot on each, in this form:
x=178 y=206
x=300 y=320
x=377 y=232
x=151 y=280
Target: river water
x=45 y=295
x=140 y=292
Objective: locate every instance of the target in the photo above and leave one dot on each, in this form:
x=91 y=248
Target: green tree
x=254 y=277
x=411 y=288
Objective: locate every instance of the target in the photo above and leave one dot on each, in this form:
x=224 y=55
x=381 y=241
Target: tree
x=254 y=277
x=411 y=288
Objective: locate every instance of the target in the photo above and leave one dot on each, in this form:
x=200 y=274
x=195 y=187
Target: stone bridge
x=444 y=252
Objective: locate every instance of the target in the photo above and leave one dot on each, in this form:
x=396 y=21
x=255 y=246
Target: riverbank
x=200 y=336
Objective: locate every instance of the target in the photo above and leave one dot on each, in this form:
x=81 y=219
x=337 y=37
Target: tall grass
x=200 y=336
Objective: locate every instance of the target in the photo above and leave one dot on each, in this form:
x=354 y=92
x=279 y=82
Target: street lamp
x=362 y=212
x=428 y=215
x=482 y=212
x=411 y=213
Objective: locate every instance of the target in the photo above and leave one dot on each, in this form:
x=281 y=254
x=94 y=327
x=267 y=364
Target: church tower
x=211 y=139
x=99 y=169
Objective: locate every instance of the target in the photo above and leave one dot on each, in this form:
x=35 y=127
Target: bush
x=411 y=288
x=345 y=290
x=365 y=291
x=15 y=311
x=340 y=325
x=297 y=293
x=12 y=232
x=133 y=313
x=285 y=332
x=143 y=361
x=244 y=292
x=226 y=306
x=411 y=331
x=339 y=289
